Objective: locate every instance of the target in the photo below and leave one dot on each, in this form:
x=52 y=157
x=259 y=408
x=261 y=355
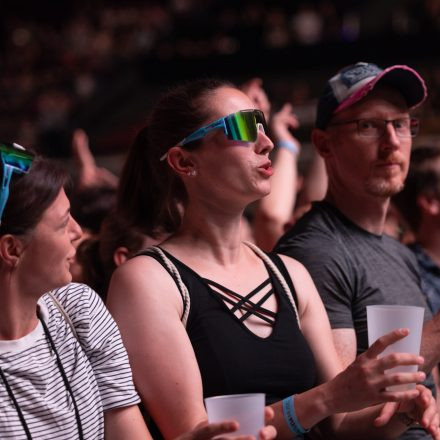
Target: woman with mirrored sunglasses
x=64 y=373
x=205 y=314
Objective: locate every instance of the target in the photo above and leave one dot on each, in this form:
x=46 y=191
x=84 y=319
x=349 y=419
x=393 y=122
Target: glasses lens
x=414 y=127
x=260 y=119
x=14 y=158
x=242 y=125
x=371 y=128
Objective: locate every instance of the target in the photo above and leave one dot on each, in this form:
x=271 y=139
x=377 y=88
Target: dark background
x=99 y=65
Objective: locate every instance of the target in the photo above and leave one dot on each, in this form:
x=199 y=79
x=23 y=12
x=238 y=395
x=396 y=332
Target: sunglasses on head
x=15 y=159
x=239 y=126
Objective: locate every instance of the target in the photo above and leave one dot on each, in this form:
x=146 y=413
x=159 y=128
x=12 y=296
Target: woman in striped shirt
x=64 y=372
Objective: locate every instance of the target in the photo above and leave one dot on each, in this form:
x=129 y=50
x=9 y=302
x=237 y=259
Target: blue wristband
x=289 y=145
x=290 y=416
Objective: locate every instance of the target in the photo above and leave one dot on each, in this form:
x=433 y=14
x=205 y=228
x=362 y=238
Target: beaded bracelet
x=289 y=145
x=290 y=416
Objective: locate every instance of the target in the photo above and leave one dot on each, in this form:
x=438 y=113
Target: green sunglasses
x=14 y=159
x=239 y=126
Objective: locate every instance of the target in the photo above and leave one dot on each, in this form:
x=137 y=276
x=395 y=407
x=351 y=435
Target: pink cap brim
x=411 y=79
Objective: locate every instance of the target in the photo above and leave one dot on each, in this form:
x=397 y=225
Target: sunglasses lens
x=260 y=119
x=242 y=125
x=19 y=160
x=13 y=159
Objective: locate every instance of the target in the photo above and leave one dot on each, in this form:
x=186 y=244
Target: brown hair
x=30 y=195
x=150 y=195
x=96 y=255
x=423 y=178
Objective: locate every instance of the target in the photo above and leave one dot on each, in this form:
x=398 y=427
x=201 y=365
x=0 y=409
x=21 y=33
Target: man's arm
x=430 y=349
x=345 y=343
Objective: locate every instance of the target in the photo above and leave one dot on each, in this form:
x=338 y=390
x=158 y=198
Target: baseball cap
x=353 y=82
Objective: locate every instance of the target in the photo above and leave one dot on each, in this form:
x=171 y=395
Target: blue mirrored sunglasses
x=239 y=126
x=15 y=159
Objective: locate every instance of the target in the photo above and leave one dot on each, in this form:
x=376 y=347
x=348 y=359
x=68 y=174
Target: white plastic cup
x=246 y=409
x=382 y=319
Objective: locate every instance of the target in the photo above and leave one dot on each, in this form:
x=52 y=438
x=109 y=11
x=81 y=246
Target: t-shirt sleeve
x=331 y=273
x=100 y=339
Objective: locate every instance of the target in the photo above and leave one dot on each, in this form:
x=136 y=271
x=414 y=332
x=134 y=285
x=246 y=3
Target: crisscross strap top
x=231 y=358
x=245 y=303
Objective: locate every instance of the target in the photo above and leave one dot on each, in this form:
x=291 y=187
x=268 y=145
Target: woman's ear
x=11 y=249
x=181 y=161
x=121 y=255
x=322 y=143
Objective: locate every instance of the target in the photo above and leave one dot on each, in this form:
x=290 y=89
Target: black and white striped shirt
x=96 y=366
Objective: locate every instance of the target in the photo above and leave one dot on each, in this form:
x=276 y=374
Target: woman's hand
x=422 y=410
x=209 y=431
x=365 y=381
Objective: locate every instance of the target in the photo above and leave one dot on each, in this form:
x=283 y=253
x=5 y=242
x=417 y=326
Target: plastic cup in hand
x=246 y=409
x=384 y=319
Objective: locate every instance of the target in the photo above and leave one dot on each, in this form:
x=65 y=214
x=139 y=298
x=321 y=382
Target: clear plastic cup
x=246 y=409
x=382 y=319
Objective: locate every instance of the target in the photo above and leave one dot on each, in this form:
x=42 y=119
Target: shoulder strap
x=64 y=313
x=284 y=272
x=278 y=275
x=172 y=269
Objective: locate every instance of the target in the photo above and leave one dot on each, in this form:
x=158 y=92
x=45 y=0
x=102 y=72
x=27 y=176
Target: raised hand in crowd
x=89 y=174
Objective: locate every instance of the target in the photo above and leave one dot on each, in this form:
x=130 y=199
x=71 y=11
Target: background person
x=364 y=133
x=419 y=203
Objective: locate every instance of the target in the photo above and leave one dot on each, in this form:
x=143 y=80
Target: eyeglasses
x=373 y=128
x=239 y=126
x=14 y=159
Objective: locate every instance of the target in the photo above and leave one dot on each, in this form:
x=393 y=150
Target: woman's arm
x=147 y=306
x=125 y=423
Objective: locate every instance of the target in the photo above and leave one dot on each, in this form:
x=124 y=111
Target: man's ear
x=321 y=141
x=429 y=203
x=181 y=161
x=11 y=249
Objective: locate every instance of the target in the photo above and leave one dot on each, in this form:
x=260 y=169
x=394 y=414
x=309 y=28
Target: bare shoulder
x=302 y=281
x=296 y=269
x=141 y=268
x=142 y=278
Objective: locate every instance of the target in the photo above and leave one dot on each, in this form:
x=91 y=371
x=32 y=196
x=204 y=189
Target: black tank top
x=234 y=360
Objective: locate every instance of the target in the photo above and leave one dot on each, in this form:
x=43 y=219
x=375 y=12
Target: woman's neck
x=211 y=235
x=18 y=312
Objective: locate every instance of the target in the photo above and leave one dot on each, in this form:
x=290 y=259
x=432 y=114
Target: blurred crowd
x=53 y=63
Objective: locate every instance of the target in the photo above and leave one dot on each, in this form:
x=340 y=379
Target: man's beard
x=382 y=187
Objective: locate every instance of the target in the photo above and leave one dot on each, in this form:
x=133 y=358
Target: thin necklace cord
x=17 y=406
x=66 y=384
x=66 y=381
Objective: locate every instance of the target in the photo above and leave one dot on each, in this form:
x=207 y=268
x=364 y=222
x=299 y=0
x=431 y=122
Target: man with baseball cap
x=364 y=132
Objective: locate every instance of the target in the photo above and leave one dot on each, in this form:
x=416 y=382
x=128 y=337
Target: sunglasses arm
x=4 y=190
x=203 y=131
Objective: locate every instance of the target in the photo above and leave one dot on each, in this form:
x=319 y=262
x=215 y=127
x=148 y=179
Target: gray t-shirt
x=353 y=268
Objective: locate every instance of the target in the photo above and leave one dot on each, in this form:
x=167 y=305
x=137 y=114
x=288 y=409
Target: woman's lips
x=266 y=169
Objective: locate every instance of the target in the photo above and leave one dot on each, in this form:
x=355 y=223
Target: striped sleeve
x=100 y=338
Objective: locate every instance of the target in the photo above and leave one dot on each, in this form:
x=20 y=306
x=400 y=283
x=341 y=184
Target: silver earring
x=191 y=173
